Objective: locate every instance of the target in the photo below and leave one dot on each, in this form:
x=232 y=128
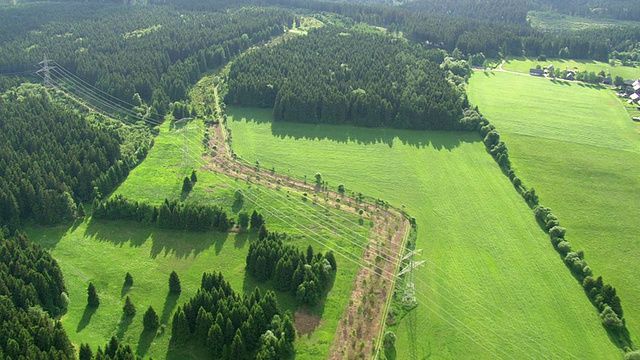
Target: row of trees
x=304 y=274
x=169 y=215
x=603 y=296
x=232 y=325
x=339 y=77
x=31 y=290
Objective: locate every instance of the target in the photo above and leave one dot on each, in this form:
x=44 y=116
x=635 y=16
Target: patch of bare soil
x=304 y=322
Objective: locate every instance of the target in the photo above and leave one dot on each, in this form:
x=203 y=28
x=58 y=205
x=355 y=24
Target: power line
x=113 y=105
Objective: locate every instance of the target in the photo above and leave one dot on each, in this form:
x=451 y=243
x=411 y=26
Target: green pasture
x=102 y=252
x=579 y=148
x=524 y=64
x=492 y=286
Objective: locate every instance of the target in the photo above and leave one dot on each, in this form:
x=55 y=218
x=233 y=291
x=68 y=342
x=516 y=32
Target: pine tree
x=128 y=280
x=85 y=352
x=204 y=320
x=180 y=332
x=215 y=341
x=237 y=346
x=174 y=283
x=186 y=185
x=150 y=319
x=128 y=309
x=92 y=299
x=332 y=260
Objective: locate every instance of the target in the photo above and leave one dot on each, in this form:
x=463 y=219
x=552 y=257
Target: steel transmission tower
x=45 y=69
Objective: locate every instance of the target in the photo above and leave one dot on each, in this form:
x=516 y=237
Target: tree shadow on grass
x=123 y=325
x=144 y=342
x=181 y=244
x=48 y=237
x=169 y=305
x=344 y=134
x=86 y=317
x=242 y=238
x=125 y=289
x=112 y=231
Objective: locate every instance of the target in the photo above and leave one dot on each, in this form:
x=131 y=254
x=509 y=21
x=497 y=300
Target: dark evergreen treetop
x=29 y=276
x=219 y=317
x=30 y=282
x=340 y=76
x=51 y=158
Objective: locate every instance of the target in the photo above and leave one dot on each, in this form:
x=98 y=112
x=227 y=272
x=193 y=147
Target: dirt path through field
x=364 y=318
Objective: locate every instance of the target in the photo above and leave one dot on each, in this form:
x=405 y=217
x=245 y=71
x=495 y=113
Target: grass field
x=579 y=148
x=492 y=286
x=523 y=65
x=102 y=252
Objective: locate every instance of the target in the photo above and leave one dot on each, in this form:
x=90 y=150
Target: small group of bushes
x=603 y=296
x=169 y=215
x=233 y=326
x=305 y=275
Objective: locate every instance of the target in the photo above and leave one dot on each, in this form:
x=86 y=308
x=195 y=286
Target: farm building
x=536 y=72
x=607 y=81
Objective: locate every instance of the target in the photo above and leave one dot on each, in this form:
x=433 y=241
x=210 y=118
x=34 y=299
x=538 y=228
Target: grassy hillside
x=102 y=252
x=492 y=286
x=579 y=148
x=523 y=65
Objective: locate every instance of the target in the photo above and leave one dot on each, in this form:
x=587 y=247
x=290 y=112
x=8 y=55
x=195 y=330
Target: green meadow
x=524 y=64
x=492 y=286
x=102 y=252
x=578 y=147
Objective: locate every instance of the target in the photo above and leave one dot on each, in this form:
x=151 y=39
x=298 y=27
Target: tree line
x=168 y=215
x=339 y=76
x=306 y=275
x=233 y=326
x=603 y=296
x=31 y=292
x=51 y=160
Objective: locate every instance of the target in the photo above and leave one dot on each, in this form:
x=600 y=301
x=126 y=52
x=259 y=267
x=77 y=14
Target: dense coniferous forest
x=31 y=290
x=234 y=326
x=337 y=76
x=51 y=159
x=154 y=51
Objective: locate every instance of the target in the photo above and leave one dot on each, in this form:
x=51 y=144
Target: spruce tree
x=174 y=283
x=215 y=341
x=237 y=346
x=128 y=280
x=85 y=352
x=194 y=177
x=180 y=332
x=150 y=320
x=128 y=309
x=92 y=298
x=186 y=184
